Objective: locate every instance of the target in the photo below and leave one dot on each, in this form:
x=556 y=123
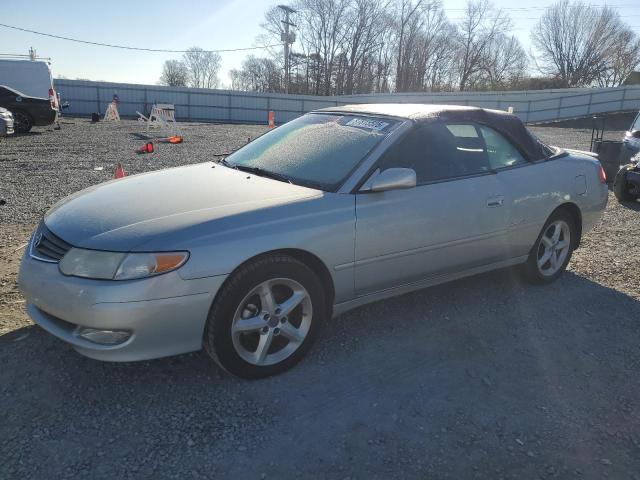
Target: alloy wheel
x=272 y=321
x=553 y=248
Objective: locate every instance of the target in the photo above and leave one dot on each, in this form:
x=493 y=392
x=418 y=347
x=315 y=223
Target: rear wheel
x=552 y=251
x=22 y=122
x=265 y=318
x=621 y=186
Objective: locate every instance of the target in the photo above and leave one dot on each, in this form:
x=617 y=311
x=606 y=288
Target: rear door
x=451 y=221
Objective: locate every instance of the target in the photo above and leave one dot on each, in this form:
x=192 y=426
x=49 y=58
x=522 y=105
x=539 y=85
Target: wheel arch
x=575 y=212
x=309 y=259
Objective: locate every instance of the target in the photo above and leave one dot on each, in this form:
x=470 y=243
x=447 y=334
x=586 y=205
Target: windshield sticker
x=377 y=125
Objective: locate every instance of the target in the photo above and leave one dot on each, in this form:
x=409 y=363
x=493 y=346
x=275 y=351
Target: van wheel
x=265 y=318
x=22 y=122
x=552 y=251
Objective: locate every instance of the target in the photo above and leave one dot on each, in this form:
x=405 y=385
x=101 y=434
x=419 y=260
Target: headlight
x=101 y=265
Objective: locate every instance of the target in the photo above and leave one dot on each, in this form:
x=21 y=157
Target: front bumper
x=6 y=125
x=165 y=315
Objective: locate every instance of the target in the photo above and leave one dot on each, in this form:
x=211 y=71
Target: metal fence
x=195 y=104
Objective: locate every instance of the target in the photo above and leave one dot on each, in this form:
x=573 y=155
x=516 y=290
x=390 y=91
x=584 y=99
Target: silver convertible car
x=336 y=209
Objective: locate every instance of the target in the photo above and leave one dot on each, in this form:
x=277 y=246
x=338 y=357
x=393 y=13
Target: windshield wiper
x=260 y=172
x=277 y=176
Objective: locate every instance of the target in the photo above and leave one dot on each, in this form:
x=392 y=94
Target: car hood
x=124 y=214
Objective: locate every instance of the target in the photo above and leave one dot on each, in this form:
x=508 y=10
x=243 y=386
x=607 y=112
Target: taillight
x=52 y=98
x=602 y=175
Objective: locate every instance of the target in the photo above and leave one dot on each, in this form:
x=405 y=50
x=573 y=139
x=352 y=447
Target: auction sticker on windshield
x=368 y=124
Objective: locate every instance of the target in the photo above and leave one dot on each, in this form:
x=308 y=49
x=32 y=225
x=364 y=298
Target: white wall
x=205 y=105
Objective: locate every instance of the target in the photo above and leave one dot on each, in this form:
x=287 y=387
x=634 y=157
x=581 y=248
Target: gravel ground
x=480 y=378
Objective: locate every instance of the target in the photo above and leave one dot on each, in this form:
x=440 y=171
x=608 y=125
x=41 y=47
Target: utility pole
x=288 y=38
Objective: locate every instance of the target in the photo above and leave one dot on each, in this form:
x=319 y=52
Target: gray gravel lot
x=481 y=378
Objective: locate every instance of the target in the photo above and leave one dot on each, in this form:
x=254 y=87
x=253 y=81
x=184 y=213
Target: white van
x=30 y=77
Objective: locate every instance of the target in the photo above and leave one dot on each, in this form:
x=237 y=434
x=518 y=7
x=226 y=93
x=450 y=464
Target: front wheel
x=265 y=318
x=22 y=122
x=552 y=251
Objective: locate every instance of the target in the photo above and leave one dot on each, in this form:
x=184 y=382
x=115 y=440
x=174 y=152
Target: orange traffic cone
x=119 y=173
x=175 y=139
x=146 y=148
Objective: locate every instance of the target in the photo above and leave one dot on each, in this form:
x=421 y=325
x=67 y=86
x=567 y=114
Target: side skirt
x=343 y=307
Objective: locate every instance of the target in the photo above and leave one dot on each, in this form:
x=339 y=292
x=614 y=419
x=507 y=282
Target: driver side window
x=439 y=151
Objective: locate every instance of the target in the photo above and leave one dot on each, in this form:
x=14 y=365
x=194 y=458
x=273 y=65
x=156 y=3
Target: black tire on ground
x=620 y=186
x=530 y=270
x=22 y=121
x=217 y=339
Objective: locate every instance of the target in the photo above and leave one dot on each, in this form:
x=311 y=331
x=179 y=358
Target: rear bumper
x=593 y=210
x=164 y=315
x=44 y=118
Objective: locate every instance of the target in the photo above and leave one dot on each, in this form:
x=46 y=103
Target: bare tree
x=408 y=16
x=174 y=74
x=505 y=62
x=203 y=67
x=365 y=21
x=363 y=46
x=323 y=28
x=257 y=74
x=478 y=31
x=425 y=59
x=579 y=44
x=623 y=60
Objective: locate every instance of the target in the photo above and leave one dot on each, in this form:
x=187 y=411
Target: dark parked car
x=27 y=111
x=6 y=122
x=626 y=184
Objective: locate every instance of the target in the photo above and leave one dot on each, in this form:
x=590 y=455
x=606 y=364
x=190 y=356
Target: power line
x=125 y=47
x=532 y=18
x=525 y=9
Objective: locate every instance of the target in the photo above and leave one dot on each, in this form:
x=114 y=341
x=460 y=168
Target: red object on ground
x=146 y=148
x=272 y=119
x=175 y=139
x=119 y=173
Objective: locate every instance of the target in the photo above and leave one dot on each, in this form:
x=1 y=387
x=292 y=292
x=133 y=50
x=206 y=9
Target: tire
x=22 y=122
x=620 y=186
x=244 y=317
x=540 y=272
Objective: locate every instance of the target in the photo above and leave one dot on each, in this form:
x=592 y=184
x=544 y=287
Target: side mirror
x=635 y=133
x=391 y=179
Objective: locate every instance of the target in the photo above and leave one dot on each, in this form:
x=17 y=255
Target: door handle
x=496 y=201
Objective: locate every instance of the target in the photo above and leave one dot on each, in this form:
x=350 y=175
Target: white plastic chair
x=162 y=116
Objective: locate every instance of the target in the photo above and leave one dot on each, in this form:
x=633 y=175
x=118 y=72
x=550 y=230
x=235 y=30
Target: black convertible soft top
x=506 y=123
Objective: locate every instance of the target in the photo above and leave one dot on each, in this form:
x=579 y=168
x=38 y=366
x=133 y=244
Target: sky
x=178 y=25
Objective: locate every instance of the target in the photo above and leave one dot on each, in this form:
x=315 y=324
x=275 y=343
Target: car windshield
x=315 y=150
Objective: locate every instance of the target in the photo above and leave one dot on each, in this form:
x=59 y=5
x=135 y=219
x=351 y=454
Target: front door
x=451 y=221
